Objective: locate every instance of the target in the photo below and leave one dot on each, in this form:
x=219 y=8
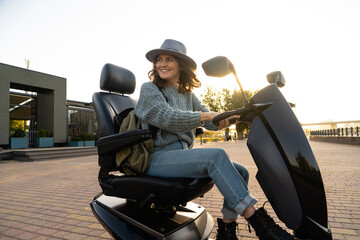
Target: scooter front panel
x=273 y=176
x=288 y=136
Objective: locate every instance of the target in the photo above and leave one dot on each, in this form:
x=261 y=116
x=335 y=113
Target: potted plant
x=18 y=139
x=44 y=139
x=76 y=141
x=89 y=140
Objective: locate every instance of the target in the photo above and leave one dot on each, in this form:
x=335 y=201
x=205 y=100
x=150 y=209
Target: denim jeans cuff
x=229 y=214
x=248 y=201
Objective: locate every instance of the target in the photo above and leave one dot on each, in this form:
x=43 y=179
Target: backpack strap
x=122 y=115
x=153 y=130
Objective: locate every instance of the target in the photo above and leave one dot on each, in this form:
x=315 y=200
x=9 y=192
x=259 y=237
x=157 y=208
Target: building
x=81 y=120
x=39 y=100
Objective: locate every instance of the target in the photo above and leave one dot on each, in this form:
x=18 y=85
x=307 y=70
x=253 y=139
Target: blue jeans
x=176 y=160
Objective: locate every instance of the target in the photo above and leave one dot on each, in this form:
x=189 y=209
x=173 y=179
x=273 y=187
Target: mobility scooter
x=145 y=207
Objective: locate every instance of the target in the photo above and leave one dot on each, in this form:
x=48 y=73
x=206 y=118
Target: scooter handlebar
x=222 y=116
x=241 y=111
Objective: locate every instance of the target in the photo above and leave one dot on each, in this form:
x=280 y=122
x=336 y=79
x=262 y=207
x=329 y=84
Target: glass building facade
x=81 y=121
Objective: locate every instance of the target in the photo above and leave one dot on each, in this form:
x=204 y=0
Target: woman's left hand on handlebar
x=226 y=122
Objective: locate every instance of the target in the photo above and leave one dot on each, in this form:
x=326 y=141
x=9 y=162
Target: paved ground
x=50 y=199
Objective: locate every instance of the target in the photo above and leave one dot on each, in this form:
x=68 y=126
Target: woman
x=168 y=104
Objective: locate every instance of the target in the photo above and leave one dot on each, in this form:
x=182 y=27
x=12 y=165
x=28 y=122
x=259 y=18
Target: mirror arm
x=246 y=101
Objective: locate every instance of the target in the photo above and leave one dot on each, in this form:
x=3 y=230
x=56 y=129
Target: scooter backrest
x=117 y=81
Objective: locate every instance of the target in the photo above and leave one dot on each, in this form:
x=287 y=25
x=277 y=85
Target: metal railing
x=31 y=135
x=338 y=132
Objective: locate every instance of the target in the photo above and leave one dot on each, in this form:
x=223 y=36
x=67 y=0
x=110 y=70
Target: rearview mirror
x=218 y=67
x=277 y=78
x=221 y=66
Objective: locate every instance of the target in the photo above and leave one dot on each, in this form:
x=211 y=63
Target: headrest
x=117 y=79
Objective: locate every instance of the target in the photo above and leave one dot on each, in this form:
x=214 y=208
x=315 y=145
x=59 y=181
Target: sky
x=314 y=43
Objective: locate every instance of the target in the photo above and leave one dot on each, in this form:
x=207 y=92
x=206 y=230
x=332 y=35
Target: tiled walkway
x=50 y=199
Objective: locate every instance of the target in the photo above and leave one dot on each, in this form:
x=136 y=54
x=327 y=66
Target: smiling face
x=168 y=69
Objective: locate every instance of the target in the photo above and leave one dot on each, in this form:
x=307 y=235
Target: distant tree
x=217 y=101
x=238 y=100
x=212 y=99
x=227 y=100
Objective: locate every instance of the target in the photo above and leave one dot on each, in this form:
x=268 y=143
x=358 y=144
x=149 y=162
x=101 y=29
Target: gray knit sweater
x=176 y=119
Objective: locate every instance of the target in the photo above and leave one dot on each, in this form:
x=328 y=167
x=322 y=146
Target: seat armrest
x=113 y=143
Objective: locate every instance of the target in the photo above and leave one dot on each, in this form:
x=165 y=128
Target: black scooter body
x=287 y=169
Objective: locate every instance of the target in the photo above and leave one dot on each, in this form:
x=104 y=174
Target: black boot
x=226 y=231
x=266 y=228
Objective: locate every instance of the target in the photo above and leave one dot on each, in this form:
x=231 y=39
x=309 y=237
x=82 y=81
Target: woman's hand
x=226 y=122
x=207 y=116
x=223 y=123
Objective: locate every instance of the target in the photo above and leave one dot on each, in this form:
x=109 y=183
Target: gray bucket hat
x=174 y=48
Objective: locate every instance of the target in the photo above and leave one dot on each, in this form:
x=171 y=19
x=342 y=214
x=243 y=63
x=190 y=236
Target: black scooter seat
x=168 y=191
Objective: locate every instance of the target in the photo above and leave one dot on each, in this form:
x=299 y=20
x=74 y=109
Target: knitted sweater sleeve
x=153 y=109
x=198 y=106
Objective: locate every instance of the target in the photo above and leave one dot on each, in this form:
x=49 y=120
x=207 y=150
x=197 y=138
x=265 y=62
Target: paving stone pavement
x=50 y=199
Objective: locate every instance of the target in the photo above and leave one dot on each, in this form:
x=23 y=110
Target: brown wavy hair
x=187 y=81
